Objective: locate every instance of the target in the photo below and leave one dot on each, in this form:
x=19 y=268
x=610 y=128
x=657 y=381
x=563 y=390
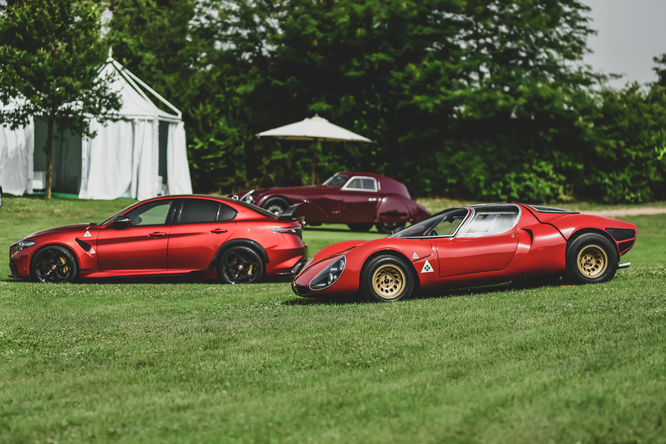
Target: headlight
x=328 y=275
x=18 y=246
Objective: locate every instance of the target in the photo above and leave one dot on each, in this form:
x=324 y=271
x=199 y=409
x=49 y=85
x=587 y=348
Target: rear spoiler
x=288 y=214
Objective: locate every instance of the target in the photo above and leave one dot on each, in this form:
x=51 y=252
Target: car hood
x=76 y=228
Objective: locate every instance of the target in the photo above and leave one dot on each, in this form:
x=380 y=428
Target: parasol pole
x=314 y=159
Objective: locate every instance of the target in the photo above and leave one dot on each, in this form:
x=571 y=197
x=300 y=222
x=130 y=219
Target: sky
x=630 y=33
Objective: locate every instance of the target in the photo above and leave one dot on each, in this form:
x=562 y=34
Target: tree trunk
x=48 y=149
x=314 y=159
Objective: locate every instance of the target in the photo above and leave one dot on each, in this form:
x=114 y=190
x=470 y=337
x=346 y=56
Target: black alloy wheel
x=360 y=227
x=391 y=227
x=591 y=259
x=54 y=264
x=387 y=278
x=240 y=265
x=276 y=205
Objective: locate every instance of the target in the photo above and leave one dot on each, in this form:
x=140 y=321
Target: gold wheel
x=592 y=261
x=388 y=281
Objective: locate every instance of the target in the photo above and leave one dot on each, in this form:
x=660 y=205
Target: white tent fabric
x=123 y=159
x=178 y=172
x=16 y=157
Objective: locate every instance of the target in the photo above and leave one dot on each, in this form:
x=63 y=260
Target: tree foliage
x=483 y=99
x=50 y=55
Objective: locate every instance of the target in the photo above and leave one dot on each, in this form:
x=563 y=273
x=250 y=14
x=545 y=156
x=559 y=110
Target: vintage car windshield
x=444 y=223
x=336 y=181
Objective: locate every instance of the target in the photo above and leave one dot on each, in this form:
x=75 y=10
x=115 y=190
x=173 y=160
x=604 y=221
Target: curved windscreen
x=336 y=181
x=445 y=223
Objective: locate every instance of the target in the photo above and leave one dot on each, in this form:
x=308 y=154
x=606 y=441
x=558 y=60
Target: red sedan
x=359 y=200
x=206 y=236
x=472 y=245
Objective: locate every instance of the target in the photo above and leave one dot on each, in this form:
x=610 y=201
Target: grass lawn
x=204 y=362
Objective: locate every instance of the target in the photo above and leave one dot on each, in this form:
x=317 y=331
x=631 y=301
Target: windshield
x=336 y=181
x=116 y=215
x=444 y=223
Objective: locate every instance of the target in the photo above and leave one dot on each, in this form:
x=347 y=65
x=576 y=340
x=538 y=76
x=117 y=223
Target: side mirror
x=122 y=222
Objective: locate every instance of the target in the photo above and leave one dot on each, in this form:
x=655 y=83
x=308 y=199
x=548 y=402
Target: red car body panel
x=177 y=248
x=531 y=248
x=390 y=203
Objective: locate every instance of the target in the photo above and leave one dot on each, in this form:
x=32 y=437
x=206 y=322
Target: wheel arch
x=415 y=275
x=256 y=246
x=56 y=244
x=579 y=233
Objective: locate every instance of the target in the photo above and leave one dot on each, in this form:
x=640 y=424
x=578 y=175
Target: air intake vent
x=624 y=246
x=620 y=234
x=84 y=245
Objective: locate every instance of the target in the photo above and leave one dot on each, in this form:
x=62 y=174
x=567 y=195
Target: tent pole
x=314 y=159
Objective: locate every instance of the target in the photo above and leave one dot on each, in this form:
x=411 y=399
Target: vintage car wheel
x=276 y=205
x=360 y=227
x=389 y=228
x=387 y=278
x=240 y=265
x=591 y=258
x=54 y=264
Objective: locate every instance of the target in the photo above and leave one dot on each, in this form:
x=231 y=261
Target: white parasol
x=315 y=129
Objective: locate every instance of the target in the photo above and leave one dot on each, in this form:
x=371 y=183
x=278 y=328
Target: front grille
x=626 y=245
x=302 y=290
x=620 y=234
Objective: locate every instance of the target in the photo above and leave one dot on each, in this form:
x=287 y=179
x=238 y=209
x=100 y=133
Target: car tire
x=387 y=278
x=391 y=227
x=591 y=259
x=240 y=265
x=54 y=264
x=360 y=227
x=275 y=205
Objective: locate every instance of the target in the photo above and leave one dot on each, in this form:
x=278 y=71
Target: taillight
x=289 y=230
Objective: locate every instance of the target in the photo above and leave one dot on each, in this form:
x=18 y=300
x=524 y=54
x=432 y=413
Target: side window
x=356 y=184
x=369 y=184
x=226 y=213
x=486 y=222
x=199 y=211
x=152 y=213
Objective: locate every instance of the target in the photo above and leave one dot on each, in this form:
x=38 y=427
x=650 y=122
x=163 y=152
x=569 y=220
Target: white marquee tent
x=139 y=156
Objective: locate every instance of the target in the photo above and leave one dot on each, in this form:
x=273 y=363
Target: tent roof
x=134 y=95
x=135 y=101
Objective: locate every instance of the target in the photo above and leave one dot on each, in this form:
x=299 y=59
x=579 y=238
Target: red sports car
x=210 y=237
x=472 y=245
x=359 y=200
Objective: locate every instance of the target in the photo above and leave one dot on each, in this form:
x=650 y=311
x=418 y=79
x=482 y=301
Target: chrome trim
x=344 y=187
x=624 y=265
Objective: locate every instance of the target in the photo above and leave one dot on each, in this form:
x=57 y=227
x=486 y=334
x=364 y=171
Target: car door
x=360 y=199
x=487 y=242
x=200 y=227
x=140 y=244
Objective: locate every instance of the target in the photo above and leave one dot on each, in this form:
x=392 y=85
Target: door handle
x=157 y=234
x=218 y=231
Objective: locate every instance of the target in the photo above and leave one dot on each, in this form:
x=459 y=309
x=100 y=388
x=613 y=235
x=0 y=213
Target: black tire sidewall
x=574 y=248
x=370 y=268
x=63 y=250
x=220 y=269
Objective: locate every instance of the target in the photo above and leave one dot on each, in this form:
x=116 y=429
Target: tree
x=51 y=53
x=660 y=69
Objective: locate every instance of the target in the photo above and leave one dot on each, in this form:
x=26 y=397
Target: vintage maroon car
x=359 y=200
x=206 y=236
x=474 y=245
